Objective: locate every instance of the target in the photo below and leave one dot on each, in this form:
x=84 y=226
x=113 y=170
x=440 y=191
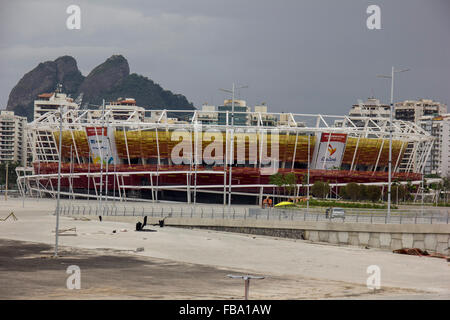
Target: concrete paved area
x=294 y=269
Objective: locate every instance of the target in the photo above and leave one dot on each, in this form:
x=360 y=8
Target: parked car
x=331 y=213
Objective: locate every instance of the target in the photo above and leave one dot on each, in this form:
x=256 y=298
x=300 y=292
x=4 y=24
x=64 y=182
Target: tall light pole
x=393 y=72
x=231 y=137
x=101 y=156
x=232 y=91
x=307 y=188
x=59 y=180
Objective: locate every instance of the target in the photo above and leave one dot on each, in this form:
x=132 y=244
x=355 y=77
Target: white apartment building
x=208 y=114
x=52 y=101
x=438 y=161
x=262 y=116
x=371 y=108
x=13 y=140
x=121 y=109
x=126 y=109
x=161 y=117
x=413 y=110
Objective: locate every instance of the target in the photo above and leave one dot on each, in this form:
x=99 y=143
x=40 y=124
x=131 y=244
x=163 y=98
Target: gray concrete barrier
x=430 y=237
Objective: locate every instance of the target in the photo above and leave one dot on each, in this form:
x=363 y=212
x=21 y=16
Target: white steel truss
x=44 y=146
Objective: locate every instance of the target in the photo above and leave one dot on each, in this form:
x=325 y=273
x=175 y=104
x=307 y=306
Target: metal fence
x=410 y=216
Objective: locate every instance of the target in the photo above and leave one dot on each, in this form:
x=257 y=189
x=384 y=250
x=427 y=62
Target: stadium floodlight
x=393 y=72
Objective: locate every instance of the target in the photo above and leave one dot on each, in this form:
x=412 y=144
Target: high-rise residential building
x=208 y=115
x=241 y=116
x=413 y=110
x=13 y=139
x=438 y=161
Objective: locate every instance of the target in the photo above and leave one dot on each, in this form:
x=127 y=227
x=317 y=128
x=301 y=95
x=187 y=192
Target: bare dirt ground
x=29 y=271
x=193 y=264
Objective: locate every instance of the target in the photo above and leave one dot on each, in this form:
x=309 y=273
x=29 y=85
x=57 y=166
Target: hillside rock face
x=68 y=74
x=109 y=80
x=104 y=79
x=44 y=78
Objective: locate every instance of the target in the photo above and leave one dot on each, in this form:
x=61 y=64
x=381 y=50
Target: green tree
x=305 y=182
x=320 y=189
x=290 y=180
x=363 y=192
x=352 y=189
x=277 y=179
x=343 y=193
x=373 y=193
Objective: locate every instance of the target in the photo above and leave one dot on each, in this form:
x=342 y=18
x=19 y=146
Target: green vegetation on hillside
x=147 y=94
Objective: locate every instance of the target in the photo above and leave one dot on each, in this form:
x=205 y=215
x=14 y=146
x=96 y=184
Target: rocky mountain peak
x=109 y=80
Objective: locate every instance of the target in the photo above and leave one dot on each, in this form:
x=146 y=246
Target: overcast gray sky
x=298 y=56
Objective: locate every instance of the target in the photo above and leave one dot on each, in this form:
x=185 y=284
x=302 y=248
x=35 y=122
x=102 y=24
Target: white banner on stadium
x=330 y=151
x=102 y=145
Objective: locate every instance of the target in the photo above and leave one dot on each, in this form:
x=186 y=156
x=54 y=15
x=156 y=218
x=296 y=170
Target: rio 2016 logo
x=331 y=150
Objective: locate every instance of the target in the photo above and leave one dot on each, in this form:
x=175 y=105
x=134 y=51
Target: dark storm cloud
x=299 y=56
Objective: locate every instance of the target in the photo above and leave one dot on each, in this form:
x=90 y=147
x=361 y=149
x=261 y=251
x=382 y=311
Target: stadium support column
x=230 y=181
x=378 y=158
x=259 y=159
x=75 y=145
x=196 y=158
x=188 y=184
x=398 y=158
x=126 y=145
x=157 y=146
x=354 y=153
x=295 y=151
x=153 y=189
x=188 y=175
x=225 y=163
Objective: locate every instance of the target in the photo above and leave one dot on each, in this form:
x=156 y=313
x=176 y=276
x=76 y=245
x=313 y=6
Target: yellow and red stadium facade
x=140 y=155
